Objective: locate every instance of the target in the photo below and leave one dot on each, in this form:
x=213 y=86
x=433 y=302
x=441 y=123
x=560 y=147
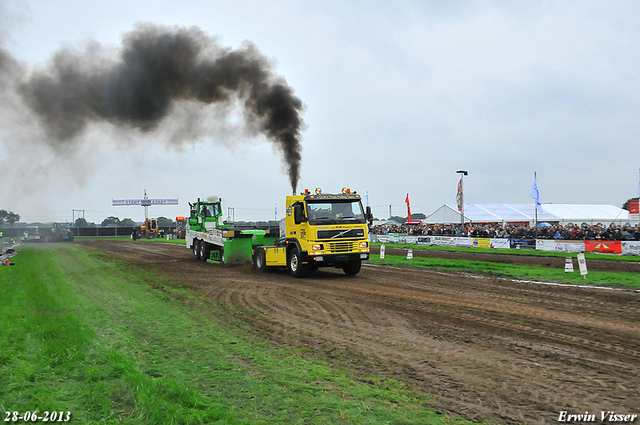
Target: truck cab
x=320 y=230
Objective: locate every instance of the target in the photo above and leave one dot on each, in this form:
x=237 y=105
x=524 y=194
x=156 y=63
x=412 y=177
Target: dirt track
x=485 y=348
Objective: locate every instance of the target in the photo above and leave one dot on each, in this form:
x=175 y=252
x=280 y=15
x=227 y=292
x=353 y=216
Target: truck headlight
x=317 y=247
x=364 y=244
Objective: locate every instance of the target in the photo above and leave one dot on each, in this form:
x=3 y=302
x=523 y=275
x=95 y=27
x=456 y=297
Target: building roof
x=519 y=213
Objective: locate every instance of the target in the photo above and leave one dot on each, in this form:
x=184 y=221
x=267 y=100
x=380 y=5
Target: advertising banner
x=387 y=238
x=566 y=246
x=545 y=245
x=437 y=240
x=466 y=242
x=482 y=242
x=561 y=246
x=634 y=207
x=500 y=243
x=610 y=247
x=630 y=248
x=143 y=202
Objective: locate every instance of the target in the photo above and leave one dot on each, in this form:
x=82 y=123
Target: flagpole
x=535 y=206
x=462 y=174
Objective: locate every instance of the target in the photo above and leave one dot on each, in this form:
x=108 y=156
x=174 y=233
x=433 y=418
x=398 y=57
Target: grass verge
x=614 y=279
x=526 y=252
x=114 y=344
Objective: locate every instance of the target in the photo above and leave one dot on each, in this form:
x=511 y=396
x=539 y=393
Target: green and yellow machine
x=214 y=240
x=319 y=230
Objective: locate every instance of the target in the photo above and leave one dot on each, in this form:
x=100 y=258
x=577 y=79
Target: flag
x=535 y=194
x=276 y=206
x=459 y=195
x=408 y=209
x=366 y=196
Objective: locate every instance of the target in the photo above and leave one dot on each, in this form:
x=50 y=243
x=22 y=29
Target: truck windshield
x=349 y=211
x=209 y=210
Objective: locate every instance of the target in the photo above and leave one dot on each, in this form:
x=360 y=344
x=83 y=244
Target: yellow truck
x=319 y=230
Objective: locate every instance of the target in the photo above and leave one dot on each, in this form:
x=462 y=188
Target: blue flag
x=535 y=194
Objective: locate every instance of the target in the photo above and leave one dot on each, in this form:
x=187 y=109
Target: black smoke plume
x=156 y=68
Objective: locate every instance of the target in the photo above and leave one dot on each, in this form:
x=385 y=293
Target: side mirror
x=369 y=215
x=298 y=214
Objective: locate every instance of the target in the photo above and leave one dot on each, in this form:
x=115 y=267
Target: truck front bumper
x=333 y=259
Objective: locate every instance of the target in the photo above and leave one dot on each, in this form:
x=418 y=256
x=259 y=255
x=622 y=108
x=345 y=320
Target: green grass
x=115 y=344
x=530 y=252
x=615 y=279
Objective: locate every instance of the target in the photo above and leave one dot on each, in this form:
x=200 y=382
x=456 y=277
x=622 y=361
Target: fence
x=610 y=247
x=18 y=232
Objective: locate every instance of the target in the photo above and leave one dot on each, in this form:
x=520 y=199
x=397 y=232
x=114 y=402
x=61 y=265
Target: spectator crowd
x=584 y=231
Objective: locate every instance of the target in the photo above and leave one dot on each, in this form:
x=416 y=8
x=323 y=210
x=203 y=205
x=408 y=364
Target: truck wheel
x=259 y=261
x=296 y=268
x=196 y=248
x=352 y=268
x=205 y=251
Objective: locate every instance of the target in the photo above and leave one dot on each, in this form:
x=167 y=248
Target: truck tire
x=294 y=263
x=352 y=268
x=205 y=251
x=259 y=261
x=196 y=248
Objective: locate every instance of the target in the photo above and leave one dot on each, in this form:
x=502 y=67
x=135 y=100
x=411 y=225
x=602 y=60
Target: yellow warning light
x=318 y=191
x=346 y=190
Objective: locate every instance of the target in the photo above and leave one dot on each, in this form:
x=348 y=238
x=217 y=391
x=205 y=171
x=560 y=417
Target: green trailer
x=214 y=240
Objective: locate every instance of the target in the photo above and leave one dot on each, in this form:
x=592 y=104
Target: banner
x=545 y=245
x=482 y=242
x=143 y=202
x=465 y=242
x=634 y=207
x=610 y=247
x=561 y=246
x=566 y=246
x=499 y=243
x=534 y=193
x=437 y=240
x=630 y=248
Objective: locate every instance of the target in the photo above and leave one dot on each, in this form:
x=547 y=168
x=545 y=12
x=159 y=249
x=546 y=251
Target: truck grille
x=341 y=233
x=337 y=247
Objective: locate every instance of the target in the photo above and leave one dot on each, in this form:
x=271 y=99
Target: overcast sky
x=397 y=97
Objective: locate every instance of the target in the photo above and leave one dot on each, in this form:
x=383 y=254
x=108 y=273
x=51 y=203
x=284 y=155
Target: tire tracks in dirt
x=485 y=348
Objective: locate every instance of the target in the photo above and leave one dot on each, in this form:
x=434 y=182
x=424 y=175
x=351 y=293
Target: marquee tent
x=524 y=213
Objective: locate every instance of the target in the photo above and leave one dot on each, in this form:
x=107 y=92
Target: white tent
x=524 y=213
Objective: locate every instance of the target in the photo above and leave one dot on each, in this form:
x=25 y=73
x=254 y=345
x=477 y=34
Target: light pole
x=462 y=174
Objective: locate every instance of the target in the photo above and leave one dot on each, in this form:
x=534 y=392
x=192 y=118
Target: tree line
x=8 y=217
x=125 y=222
